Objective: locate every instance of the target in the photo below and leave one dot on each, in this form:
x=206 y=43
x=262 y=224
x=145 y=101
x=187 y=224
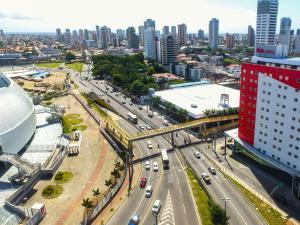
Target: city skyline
x=26 y=18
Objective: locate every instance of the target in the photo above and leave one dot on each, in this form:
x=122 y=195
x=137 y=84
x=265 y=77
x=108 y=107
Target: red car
x=143 y=182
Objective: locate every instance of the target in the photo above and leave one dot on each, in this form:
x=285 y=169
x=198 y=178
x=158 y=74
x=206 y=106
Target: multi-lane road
x=170 y=186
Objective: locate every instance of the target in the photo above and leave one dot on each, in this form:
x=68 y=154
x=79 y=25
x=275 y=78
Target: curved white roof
x=15 y=105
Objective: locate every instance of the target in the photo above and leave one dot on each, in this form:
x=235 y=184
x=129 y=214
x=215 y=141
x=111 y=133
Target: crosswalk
x=167 y=217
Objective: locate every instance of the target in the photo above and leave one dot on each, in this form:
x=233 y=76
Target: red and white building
x=269 y=120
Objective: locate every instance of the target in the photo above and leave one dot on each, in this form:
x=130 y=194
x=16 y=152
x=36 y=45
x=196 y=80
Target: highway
x=166 y=184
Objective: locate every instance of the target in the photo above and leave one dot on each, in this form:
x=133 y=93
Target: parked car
x=155 y=166
x=197 y=154
x=134 y=220
x=143 y=182
x=148 y=191
x=147 y=165
x=166 y=123
x=279 y=198
x=140 y=107
x=209 y=140
x=141 y=126
x=156 y=207
x=130 y=103
x=123 y=102
x=150 y=114
x=148 y=127
x=206 y=178
x=212 y=170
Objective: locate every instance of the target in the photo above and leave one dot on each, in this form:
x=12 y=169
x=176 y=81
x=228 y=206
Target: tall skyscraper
x=168 y=49
x=165 y=30
x=132 y=38
x=251 y=36
x=173 y=30
x=182 y=34
x=229 y=41
x=81 y=35
x=120 y=34
x=149 y=23
x=68 y=39
x=266 y=22
x=201 y=34
x=104 y=37
x=85 y=34
x=58 y=35
x=284 y=34
x=141 y=35
x=98 y=32
x=75 y=36
x=297 y=42
x=214 y=33
x=1 y=33
x=150 y=43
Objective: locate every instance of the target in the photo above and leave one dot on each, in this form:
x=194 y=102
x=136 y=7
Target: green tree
x=108 y=183
x=96 y=193
x=69 y=56
x=87 y=203
x=137 y=88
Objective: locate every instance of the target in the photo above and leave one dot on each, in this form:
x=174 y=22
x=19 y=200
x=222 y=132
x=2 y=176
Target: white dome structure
x=17 y=116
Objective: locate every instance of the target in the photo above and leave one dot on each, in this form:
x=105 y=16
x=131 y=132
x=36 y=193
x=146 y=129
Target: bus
x=133 y=118
x=165 y=158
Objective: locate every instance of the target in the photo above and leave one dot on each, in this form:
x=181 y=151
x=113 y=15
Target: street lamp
x=225 y=199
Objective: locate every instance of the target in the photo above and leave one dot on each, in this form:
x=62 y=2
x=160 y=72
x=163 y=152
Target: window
x=292 y=127
x=296 y=99
x=279 y=86
x=289 y=153
x=285 y=87
x=284 y=97
x=286 y=78
x=294 y=166
x=280 y=77
x=279 y=95
x=278 y=158
x=295 y=109
x=288 y=163
x=296 y=156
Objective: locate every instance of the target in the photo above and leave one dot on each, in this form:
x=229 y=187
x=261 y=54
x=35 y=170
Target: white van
x=149 y=144
x=148 y=191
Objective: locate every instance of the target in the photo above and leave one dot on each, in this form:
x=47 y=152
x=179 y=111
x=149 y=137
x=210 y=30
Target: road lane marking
x=167 y=217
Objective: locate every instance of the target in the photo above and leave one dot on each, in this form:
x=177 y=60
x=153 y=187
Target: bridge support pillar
x=130 y=165
x=173 y=140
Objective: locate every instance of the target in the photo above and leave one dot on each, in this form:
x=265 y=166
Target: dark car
x=134 y=220
x=212 y=170
x=279 y=198
x=143 y=182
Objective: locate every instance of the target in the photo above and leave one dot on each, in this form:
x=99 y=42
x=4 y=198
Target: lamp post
x=225 y=199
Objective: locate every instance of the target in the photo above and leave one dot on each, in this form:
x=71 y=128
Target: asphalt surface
x=171 y=181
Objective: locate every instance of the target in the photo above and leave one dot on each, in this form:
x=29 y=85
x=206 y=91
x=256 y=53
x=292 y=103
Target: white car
x=197 y=154
x=142 y=127
x=156 y=207
x=148 y=127
x=147 y=165
x=155 y=166
x=148 y=191
x=166 y=123
x=149 y=144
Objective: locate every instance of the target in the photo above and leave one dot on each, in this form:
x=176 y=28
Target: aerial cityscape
x=161 y=115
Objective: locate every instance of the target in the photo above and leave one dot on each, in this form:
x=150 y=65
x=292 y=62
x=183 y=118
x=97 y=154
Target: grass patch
x=48 y=65
x=202 y=200
x=78 y=66
x=72 y=122
x=272 y=216
x=63 y=177
x=52 y=191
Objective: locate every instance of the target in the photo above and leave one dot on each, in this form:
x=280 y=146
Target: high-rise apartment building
x=132 y=38
x=120 y=34
x=173 y=30
x=229 y=41
x=251 y=36
x=165 y=30
x=214 y=33
x=201 y=34
x=58 y=35
x=85 y=34
x=68 y=38
x=284 y=34
x=104 y=37
x=141 y=35
x=168 y=49
x=75 y=38
x=182 y=34
x=149 y=23
x=150 y=43
x=297 y=42
x=266 y=22
x=81 y=35
x=98 y=32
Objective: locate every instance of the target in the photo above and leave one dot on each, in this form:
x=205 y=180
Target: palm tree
x=87 y=203
x=116 y=173
x=117 y=165
x=96 y=193
x=108 y=183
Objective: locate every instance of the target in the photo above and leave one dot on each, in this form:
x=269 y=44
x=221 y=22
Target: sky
x=46 y=16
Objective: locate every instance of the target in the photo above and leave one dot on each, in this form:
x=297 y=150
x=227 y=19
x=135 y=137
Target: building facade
x=251 y=36
x=269 y=117
x=284 y=35
x=201 y=34
x=229 y=41
x=173 y=31
x=141 y=35
x=150 y=43
x=214 y=33
x=168 y=49
x=132 y=38
x=182 y=34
